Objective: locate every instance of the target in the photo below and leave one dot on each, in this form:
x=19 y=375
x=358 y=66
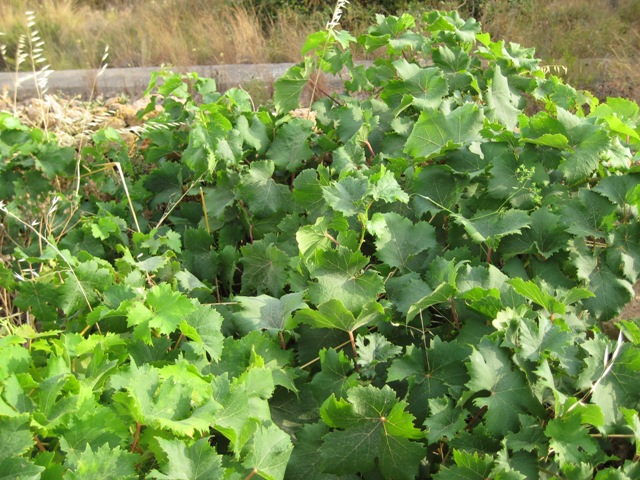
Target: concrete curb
x=133 y=81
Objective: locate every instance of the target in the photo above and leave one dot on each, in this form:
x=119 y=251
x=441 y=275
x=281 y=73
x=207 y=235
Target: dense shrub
x=406 y=280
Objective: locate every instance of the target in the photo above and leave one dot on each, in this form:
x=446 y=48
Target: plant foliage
x=410 y=279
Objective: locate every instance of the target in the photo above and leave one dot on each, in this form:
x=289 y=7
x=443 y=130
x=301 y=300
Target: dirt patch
x=633 y=309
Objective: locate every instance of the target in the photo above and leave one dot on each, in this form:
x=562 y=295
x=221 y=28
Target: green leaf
x=163 y=310
x=437 y=187
x=289 y=87
x=267 y=313
x=254 y=135
x=290 y=149
x=371 y=424
x=374 y=349
x=244 y=404
x=445 y=419
x=336 y=375
x=442 y=294
x=489 y=227
x=347 y=196
x=383 y=186
x=19 y=469
x=491 y=370
x=203 y=328
x=269 y=453
x=195 y=462
x=38 y=297
x=502 y=103
x=434 y=373
x=588 y=215
x=545 y=236
x=333 y=314
x=90 y=277
x=263 y=195
x=400 y=241
x=105 y=462
x=570 y=439
x=424 y=86
x=611 y=293
x=163 y=404
x=340 y=275
x=199 y=256
x=305 y=463
x=265 y=268
x=15 y=436
x=587 y=140
x=619 y=189
x=468 y=466
x=312 y=238
x=436 y=132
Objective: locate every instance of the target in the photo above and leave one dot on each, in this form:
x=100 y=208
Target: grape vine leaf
x=163 y=310
x=374 y=349
x=489 y=227
x=340 y=275
x=335 y=377
x=305 y=463
x=611 y=293
x=203 y=328
x=467 y=466
x=587 y=140
x=370 y=424
x=436 y=187
x=434 y=373
x=90 y=277
x=347 y=195
x=270 y=452
x=15 y=436
x=334 y=314
x=263 y=195
x=40 y=298
x=163 y=404
x=588 y=215
x=435 y=131
x=290 y=149
x=547 y=235
x=244 y=404
x=424 y=86
x=445 y=419
x=400 y=241
x=199 y=256
x=254 y=135
x=289 y=87
x=263 y=312
x=570 y=439
x=188 y=462
x=110 y=463
x=491 y=370
x=502 y=103
x=265 y=268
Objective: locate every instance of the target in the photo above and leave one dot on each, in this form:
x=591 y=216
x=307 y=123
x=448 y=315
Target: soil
x=633 y=309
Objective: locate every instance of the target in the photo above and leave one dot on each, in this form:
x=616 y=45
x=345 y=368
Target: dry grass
x=597 y=42
x=151 y=33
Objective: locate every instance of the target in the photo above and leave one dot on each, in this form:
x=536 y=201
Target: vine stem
x=251 y=475
x=352 y=340
x=454 y=314
x=136 y=437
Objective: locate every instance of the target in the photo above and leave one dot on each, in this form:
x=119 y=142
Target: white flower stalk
x=337 y=14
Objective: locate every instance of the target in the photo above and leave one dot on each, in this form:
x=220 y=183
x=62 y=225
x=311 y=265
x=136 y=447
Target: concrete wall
x=133 y=81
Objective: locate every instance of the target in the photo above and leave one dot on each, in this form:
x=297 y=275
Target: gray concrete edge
x=134 y=81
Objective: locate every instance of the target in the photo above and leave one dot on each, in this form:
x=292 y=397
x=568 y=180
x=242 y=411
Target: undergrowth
x=405 y=280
